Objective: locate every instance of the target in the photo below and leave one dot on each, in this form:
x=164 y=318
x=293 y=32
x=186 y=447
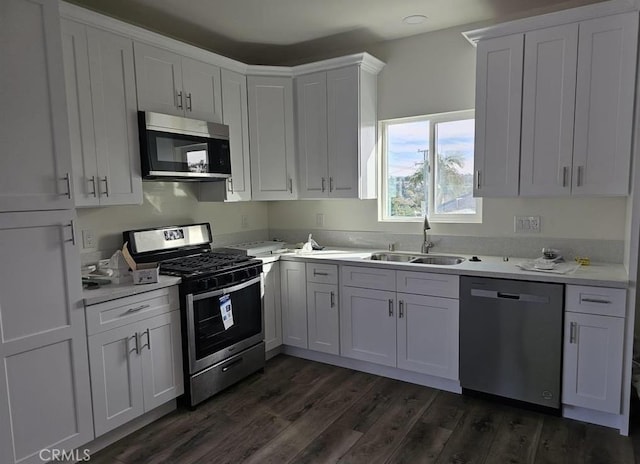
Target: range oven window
x=210 y=333
x=187 y=154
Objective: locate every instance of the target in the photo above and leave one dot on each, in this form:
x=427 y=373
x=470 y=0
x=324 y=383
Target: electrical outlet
x=244 y=222
x=88 y=239
x=526 y=224
x=320 y=220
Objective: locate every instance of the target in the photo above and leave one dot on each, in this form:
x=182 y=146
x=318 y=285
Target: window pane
x=454 y=168
x=407 y=149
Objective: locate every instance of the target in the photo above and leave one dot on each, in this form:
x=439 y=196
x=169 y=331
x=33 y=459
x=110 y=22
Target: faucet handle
x=392 y=246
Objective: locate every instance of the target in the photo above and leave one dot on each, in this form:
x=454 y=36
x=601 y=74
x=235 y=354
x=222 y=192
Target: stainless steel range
x=220 y=302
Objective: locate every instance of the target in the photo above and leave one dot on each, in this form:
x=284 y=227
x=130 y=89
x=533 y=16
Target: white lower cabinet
x=134 y=368
x=428 y=335
x=415 y=331
x=323 y=317
x=592 y=373
x=368 y=325
x=294 y=304
x=272 y=306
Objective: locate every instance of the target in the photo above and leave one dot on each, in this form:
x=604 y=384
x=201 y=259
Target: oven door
x=212 y=337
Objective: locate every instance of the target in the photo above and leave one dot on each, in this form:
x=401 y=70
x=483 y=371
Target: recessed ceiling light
x=414 y=19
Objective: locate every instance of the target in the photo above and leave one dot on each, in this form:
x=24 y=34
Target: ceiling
x=283 y=31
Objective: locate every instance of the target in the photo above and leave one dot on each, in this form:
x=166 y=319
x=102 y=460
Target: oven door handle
x=224 y=291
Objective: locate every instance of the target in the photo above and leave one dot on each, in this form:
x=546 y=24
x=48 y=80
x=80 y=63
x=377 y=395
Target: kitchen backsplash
x=610 y=251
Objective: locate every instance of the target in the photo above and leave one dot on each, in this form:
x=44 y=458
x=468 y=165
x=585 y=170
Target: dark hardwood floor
x=300 y=411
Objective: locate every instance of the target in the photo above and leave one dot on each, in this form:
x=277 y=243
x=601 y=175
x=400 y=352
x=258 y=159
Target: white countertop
x=597 y=274
x=113 y=291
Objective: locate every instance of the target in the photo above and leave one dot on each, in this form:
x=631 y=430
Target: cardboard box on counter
x=146 y=273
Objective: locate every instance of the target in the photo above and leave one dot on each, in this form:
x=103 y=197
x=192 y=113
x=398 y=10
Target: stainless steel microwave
x=176 y=148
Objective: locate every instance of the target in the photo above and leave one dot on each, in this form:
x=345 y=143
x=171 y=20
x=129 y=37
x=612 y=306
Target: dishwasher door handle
x=520 y=297
x=510 y=296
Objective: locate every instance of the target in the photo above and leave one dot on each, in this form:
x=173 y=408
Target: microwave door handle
x=223 y=291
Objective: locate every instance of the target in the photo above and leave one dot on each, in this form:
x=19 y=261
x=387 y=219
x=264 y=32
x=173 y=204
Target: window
x=427 y=168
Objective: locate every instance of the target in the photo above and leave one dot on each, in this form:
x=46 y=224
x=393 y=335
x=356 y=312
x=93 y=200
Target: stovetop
x=203 y=264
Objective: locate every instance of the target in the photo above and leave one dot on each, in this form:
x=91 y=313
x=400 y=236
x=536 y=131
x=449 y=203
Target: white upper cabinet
x=271 y=136
x=102 y=106
x=172 y=84
x=498 y=113
x=548 y=102
x=35 y=166
x=605 y=92
x=336 y=116
x=577 y=91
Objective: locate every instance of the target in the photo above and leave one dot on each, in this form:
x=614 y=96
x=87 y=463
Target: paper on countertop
x=557 y=268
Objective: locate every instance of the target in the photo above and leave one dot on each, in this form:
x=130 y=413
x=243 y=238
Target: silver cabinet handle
x=565 y=171
x=231 y=184
x=331 y=184
x=95 y=188
x=189 y=107
x=137 y=337
x=148 y=344
x=323 y=184
x=290 y=185
x=179 y=99
x=67 y=179
x=138 y=308
x=573 y=331
x=106 y=185
x=333 y=300
x=400 y=309
x=477 y=179
x=73 y=233
x=390 y=308
x=594 y=300
x=316 y=273
x=579 y=180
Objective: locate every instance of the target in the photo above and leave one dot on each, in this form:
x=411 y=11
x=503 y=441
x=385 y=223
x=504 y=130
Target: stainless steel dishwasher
x=511 y=339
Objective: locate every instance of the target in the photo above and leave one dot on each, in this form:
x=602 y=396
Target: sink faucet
x=426 y=243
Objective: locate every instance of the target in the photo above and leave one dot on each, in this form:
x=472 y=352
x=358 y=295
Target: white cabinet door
x=592 y=366
x=368 y=325
x=428 y=335
x=323 y=317
x=548 y=103
x=80 y=112
x=271 y=300
x=311 y=105
x=116 y=378
x=234 y=104
x=498 y=116
x=35 y=166
x=605 y=92
x=202 y=90
x=294 y=304
x=159 y=80
x=161 y=359
x=113 y=96
x=343 y=113
x=271 y=137
x=45 y=398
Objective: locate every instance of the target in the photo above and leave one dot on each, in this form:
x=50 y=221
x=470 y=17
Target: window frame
x=433 y=120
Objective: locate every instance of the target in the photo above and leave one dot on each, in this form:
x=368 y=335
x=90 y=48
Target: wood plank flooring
x=300 y=411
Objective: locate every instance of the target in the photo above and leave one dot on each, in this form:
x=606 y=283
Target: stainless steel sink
x=439 y=260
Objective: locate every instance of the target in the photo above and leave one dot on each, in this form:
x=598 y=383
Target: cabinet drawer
x=368 y=277
x=596 y=300
x=428 y=283
x=123 y=311
x=322 y=273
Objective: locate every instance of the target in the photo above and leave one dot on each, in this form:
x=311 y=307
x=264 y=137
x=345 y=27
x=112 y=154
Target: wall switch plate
x=526 y=224
x=320 y=220
x=88 y=239
x=244 y=222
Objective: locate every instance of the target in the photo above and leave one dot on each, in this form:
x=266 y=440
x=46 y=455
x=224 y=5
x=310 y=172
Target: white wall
x=433 y=73
x=168 y=203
